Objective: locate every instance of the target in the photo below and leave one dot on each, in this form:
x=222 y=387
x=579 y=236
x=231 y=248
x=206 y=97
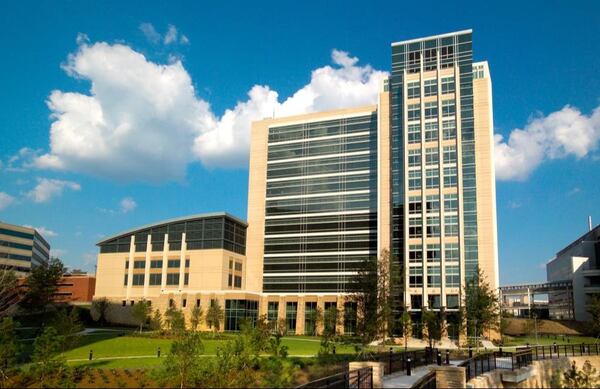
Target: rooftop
x=432 y=37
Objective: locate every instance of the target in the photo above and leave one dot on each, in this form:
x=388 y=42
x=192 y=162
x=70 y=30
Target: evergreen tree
x=214 y=316
x=9 y=350
x=196 y=318
x=41 y=285
x=482 y=306
x=141 y=312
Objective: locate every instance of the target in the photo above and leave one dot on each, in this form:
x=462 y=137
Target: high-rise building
x=411 y=175
x=22 y=248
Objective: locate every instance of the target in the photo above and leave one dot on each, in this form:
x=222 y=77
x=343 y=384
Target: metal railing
x=398 y=361
x=426 y=382
x=359 y=379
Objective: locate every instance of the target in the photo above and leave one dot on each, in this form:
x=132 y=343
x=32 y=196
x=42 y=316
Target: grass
x=547 y=340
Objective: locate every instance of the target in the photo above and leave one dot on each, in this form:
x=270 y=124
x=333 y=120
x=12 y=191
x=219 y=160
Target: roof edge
x=432 y=37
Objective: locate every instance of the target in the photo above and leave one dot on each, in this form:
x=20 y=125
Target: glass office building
x=22 y=248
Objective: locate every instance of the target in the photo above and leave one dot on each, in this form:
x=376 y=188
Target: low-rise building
x=76 y=289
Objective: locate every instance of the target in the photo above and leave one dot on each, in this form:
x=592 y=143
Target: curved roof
x=174 y=220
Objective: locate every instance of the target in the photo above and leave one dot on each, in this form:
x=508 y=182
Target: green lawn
x=544 y=340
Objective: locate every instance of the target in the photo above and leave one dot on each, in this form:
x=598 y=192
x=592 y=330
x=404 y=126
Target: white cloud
x=142 y=121
x=22 y=160
x=58 y=253
x=573 y=191
x=563 y=133
x=47 y=188
x=514 y=204
x=5 y=200
x=150 y=32
x=127 y=205
x=171 y=35
x=46 y=232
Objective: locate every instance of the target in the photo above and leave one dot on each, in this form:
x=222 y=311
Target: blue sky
x=543 y=56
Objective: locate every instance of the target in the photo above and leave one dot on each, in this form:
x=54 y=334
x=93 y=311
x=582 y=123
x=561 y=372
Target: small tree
x=9 y=350
x=156 y=322
x=482 y=306
x=41 y=285
x=593 y=308
x=100 y=309
x=331 y=321
x=432 y=325
x=175 y=320
x=405 y=327
x=141 y=312
x=276 y=347
x=214 y=316
x=67 y=326
x=315 y=317
x=196 y=318
x=184 y=359
x=48 y=365
x=9 y=294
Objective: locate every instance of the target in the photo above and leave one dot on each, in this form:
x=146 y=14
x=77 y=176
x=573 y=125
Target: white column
x=147 y=268
x=165 y=259
x=130 y=267
x=182 y=262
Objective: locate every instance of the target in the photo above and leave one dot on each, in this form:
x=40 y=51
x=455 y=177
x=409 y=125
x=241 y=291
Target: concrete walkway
x=399 y=379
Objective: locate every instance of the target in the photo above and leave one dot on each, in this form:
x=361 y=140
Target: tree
x=315 y=317
x=9 y=350
x=100 y=309
x=593 y=308
x=433 y=326
x=275 y=343
x=331 y=321
x=405 y=327
x=41 y=285
x=214 y=316
x=196 y=318
x=48 y=365
x=482 y=306
x=175 y=320
x=140 y=312
x=67 y=326
x=156 y=322
x=587 y=377
x=184 y=359
x=9 y=294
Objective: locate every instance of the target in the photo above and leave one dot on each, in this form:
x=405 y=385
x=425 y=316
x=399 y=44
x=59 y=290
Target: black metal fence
x=398 y=361
x=359 y=379
x=426 y=382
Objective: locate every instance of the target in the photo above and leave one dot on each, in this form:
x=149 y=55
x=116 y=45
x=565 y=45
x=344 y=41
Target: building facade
x=411 y=175
x=579 y=263
x=75 y=289
x=22 y=248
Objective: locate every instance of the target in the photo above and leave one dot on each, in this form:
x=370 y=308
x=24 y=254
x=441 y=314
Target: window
x=415 y=276
x=187 y=263
x=416 y=301
x=186 y=279
x=415 y=227
x=230 y=264
x=413 y=89
x=448 y=108
x=430 y=88
x=415 y=253
x=450 y=177
x=451 y=202
x=449 y=129
x=431 y=131
x=414 y=158
x=433 y=226
x=431 y=110
x=171 y=303
x=430 y=59
x=433 y=253
x=414 y=133
x=238 y=266
x=125 y=279
x=123 y=303
x=126 y=264
x=433 y=277
x=197 y=303
x=414 y=179
x=451 y=225
x=350 y=318
x=432 y=179
x=156 y=264
x=434 y=300
x=230 y=280
x=452 y=276
x=310 y=308
x=139 y=264
x=414 y=62
x=414 y=205
x=447 y=56
x=414 y=112
x=173 y=263
x=272 y=311
x=452 y=301
x=237 y=282
x=447 y=85
x=155 y=279
x=132 y=303
x=432 y=156
x=432 y=203
x=449 y=154
x=291 y=309
x=451 y=252
x=183 y=303
x=172 y=278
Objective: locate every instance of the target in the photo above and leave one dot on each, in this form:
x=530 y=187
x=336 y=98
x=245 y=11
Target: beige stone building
x=412 y=174
x=22 y=248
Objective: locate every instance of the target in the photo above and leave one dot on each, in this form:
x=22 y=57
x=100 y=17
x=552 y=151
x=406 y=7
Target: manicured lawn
x=547 y=340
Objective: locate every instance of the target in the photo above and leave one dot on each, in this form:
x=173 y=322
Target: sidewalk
x=399 y=379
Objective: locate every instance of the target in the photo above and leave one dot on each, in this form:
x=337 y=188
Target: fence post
x=91 y=354
x=439 y=357
x=357 y=379
x=158 y=352
x=470 y=352
x=390 y=360
x=447 y=357
x=408 y=360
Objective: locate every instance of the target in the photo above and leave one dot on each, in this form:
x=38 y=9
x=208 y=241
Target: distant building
x=578 y=262
x=76 y=289
x=22 y=248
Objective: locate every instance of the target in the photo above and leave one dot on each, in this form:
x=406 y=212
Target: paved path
x=399 y=379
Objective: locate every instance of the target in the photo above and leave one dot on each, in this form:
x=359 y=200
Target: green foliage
x=41 y=284
x=316 y=318
x=587 y=377
x=49 y=367
x=184 y=360
x=196 y=318
x=100 y=309
x=156 y=321
x=276 y=347
x=593 y=308
x=141 y=312
x=405 y=325
x=9 y=350
x=432 y=325
x=67 y=326
x=174 y=320
x=482 y=306
x=8 y=291
x=215 y=316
